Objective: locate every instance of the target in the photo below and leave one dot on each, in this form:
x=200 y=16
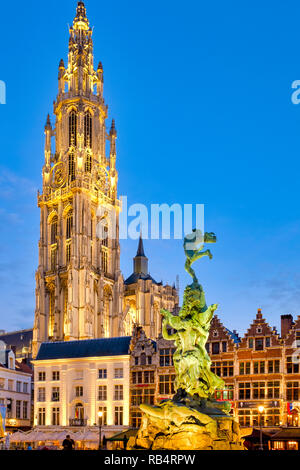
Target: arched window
x=88 y=163
x=69 y=224
x=88 y=129
x=54 y=230
x=71 y=166
x=72 y=129
x=51 y=312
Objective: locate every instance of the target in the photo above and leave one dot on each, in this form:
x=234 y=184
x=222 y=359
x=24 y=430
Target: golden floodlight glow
x=261 y=408
x=100 y=414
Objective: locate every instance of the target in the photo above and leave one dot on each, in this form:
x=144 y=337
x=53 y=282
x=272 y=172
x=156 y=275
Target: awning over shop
x=120 y=435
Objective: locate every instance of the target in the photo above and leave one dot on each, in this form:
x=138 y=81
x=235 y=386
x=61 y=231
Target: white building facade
x=15 y=392
x=74 y=380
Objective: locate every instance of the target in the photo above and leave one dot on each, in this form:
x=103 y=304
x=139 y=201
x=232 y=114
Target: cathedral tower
x=78 y=281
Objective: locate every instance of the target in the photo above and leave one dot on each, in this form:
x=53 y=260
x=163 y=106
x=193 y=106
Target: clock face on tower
x=58 y=175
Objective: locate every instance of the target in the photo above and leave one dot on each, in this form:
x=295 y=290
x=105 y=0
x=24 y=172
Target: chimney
x=286 y=324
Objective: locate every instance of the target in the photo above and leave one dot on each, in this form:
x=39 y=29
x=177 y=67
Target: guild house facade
x=259 y=370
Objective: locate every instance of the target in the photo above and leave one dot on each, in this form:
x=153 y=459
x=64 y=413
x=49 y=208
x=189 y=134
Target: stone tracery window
x=72 y=129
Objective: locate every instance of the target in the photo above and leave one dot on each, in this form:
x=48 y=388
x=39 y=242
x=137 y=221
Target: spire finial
x=48 y=122
x=140 y=250
x=113 y=131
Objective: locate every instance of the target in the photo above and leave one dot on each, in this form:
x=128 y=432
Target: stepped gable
x=292 y=334
x=260 y=328
x=218 y=332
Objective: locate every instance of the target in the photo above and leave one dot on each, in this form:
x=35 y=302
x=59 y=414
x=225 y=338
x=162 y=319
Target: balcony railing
x=77 y=422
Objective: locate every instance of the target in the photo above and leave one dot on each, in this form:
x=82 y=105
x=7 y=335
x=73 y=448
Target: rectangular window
x=41 y=394
x=166 y=357
x=166 y=384
x=244 y=391
x=259 y=344
x=104 y=260
x=18 y=409
x=268 y=342
x=102 y=374
x=18 y=388
x=215 y=348
x=118 y=415
x=119 y=373
x=55 y=375
x=2 y=383
x=102 y=392
x=258 y=390
x=136 y=419
x=291 y=368
x=250 y=343
x=273 y=389
x=41 y=416
x=55 y=416
x=292 y=391
x=118 y=394
x=25 y=409
x=79 y=391
x=25 y=387
x=224 y=346
x=55 y=394
x=41 y=376
x=103 y=409
x=10 y=385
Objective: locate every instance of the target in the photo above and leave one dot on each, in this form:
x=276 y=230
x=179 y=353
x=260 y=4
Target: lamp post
x=261 y=409
x=100 y=414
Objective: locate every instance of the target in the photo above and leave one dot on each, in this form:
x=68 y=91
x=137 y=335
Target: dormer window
x=259 y=330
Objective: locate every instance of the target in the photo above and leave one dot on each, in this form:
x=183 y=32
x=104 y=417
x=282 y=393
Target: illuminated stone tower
x=78 y=281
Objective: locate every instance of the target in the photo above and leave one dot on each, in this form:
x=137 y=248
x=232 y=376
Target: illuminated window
x=72 y=129
x=244 y=391
x=102 y=392
x=259 y=367
x=69 y=224
x=136 y=419
x=274 y=366
x=104 y=260
x=103 y=409
x=55 y=416
x=55 y=394
x=41 y=394
x=258 y=390
x=292 y=391
x=273 y=389
x=53 y=257
x=118 y=392
x=25 y=409
x=41 y=416
x=118 y=415
x=71 y=166
x=166 y=384
x=244 y=417
x=18 y=409
x=88 y=129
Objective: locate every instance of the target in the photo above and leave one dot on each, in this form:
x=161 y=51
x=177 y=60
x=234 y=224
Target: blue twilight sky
x=201 y=94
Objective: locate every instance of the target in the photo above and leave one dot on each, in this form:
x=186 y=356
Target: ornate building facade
x=80 y=291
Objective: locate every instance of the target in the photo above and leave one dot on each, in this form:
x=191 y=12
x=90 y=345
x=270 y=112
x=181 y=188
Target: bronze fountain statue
x=193 y=419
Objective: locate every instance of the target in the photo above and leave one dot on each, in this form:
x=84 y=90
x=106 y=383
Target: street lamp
x=100 y=414
x=261 y=409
